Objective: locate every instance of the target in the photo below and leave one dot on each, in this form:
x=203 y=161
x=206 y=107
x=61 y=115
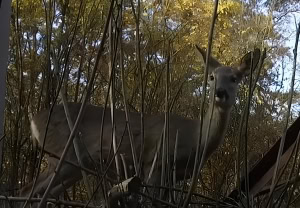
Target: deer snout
x=221 y=95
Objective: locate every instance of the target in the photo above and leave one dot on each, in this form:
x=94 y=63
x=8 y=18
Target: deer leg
x=39 y=185
x=154 y=180
x=42 y=178
x=67 y=176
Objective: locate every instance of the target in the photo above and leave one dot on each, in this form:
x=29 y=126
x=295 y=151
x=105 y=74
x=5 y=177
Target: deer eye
x=233 y=79
x=211 y=77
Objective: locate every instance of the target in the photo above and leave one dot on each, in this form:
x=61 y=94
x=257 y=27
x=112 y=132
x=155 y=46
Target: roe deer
x=223 y=82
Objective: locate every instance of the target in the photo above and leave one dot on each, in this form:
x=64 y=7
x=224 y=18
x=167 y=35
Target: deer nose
x=221 y=93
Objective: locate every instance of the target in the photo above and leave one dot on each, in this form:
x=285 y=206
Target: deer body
x=224 y=84
x=188 y=133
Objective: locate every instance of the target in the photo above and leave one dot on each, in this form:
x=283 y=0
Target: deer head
x=224 y=80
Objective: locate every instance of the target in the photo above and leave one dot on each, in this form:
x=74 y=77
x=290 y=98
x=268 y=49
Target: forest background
x=67 y=34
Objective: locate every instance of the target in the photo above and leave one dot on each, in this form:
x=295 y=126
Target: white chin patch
x=220 y=100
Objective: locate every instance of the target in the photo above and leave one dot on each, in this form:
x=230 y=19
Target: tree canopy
x=54 y=42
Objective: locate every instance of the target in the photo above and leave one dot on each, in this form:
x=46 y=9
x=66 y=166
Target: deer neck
x=217 y=127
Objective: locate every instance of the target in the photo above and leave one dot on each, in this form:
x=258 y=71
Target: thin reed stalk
x=203 y=99
x=124 y=93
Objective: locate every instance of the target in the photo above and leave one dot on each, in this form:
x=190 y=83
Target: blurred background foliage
x=44 y=31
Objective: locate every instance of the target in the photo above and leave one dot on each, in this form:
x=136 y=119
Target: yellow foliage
x=30 y=10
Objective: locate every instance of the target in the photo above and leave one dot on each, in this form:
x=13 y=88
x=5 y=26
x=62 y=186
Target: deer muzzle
x=221 y=95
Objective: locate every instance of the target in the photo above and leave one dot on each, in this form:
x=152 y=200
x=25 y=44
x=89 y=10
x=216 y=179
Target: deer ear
x=245 y=65
x=212 y=63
